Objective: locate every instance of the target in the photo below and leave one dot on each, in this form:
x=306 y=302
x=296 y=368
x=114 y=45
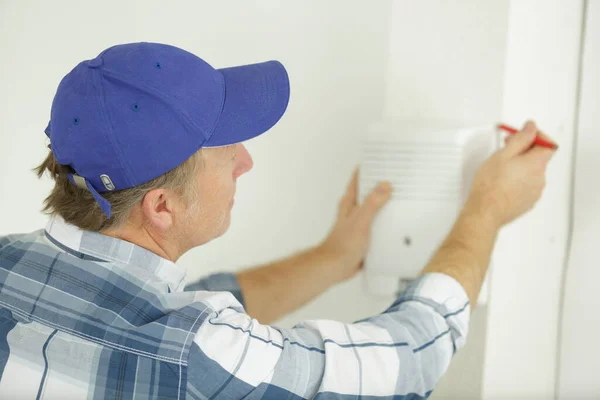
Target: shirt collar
x=99 y=247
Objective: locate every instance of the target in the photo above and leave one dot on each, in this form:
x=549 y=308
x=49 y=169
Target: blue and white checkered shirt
x=83 y=315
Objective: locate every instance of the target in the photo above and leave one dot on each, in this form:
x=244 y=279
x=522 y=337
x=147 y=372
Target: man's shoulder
x=116 y=306
x=14 y=247
x=24 y=237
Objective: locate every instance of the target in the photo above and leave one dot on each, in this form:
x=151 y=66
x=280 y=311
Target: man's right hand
x=510 y=182
x=506 y=186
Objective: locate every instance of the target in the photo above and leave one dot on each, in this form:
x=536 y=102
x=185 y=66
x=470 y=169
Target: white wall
x=541 y=70
x=334 y=51
x=580 y=356
x=446 y=62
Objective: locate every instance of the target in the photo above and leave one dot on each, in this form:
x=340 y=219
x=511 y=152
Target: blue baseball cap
x=138 y=110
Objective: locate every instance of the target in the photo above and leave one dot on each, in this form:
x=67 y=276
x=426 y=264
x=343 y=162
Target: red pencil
x=538 y=140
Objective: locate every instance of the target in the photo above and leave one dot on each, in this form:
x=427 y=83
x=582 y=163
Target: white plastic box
x=431 y=165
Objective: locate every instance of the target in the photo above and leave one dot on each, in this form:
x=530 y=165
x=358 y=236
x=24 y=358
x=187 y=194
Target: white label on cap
x=107 y=182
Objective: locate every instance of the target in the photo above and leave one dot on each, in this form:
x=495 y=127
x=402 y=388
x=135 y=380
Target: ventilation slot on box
x=417 y=171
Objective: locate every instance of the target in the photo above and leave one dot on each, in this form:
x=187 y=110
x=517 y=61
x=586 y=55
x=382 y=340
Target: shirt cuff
x=441 y=290
x=446 y=296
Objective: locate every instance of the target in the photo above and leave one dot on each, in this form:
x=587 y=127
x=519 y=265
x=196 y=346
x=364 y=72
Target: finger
x=348 y=201
x=374 y=201
x=546 y=137
x=521 y=141
x=539 y=156
x=526 y=124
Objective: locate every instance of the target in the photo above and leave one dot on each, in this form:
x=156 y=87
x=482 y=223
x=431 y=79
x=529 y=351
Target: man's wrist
x=330 y=262
x=482 y=217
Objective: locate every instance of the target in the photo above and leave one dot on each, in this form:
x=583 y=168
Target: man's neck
x=144 y=237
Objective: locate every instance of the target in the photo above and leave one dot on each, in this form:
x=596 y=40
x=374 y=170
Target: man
x=145 y=151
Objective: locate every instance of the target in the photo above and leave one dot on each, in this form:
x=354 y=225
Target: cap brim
x=256 y=96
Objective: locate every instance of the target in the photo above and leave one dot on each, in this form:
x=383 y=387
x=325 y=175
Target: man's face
x=209 y=213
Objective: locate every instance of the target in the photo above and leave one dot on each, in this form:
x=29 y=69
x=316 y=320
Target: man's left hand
x=348 y=241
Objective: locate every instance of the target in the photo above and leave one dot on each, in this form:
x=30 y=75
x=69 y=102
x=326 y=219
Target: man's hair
x=78 y=207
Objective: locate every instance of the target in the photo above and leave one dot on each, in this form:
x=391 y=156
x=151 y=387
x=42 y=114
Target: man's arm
x=401 y=352
x=465 y=253
x=270 y=291
x=505 y=187
x=273 y=290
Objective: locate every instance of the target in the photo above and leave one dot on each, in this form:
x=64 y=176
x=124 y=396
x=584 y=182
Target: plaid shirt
x=83 y=315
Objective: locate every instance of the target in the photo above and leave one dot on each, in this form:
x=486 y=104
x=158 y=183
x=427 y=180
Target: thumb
x=374 y=201
x=521 y=141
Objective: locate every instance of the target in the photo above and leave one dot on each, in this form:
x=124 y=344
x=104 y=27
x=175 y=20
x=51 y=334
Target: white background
x=580 y=357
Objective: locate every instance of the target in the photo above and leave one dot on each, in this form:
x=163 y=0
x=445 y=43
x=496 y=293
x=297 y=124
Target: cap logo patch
x=107 y=182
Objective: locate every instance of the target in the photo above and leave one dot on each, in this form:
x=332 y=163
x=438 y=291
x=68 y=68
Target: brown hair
x=78 y=207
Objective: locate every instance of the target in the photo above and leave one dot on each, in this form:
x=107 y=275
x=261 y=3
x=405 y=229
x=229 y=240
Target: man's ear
x=158 y=207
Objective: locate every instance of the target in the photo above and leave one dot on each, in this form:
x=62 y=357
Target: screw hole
x=157 y=65
x=407 y=241
x=75 y=121
x=135 y=107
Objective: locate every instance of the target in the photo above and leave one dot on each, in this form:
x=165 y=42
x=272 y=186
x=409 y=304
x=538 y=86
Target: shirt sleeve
x=402 y=352
x=221 y=282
